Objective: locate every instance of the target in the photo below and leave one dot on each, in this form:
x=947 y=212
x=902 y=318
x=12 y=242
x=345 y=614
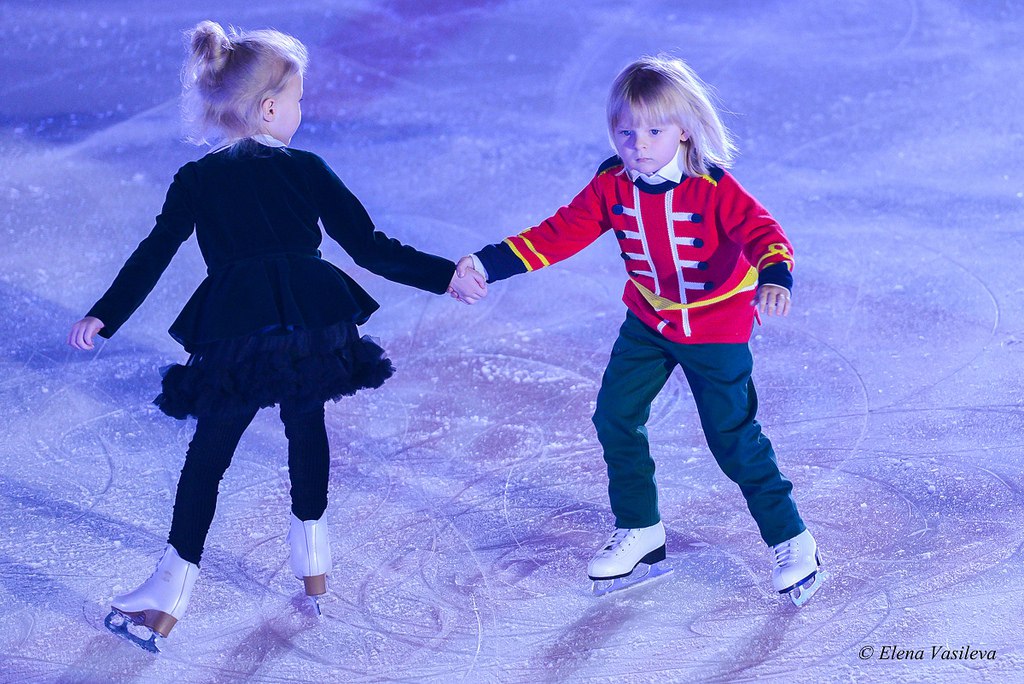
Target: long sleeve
x=748 y=224
x=143 y=269
x=346 y=221
x=572 y=228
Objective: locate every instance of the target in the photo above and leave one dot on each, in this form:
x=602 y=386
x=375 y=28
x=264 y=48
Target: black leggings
x=209 y=455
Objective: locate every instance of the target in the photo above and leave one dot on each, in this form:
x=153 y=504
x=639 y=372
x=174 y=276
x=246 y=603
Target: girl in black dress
x=273 y=322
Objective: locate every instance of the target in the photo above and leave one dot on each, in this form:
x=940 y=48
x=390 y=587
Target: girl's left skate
x=157 y=604
x=310 y=556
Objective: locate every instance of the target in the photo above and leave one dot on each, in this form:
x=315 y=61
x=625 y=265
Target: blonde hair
x=226 y=78
x=665 y=89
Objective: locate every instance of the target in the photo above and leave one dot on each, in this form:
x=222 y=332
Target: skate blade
x=641 y=575
x=118 y=624
x=802 y=593
x=315 y=600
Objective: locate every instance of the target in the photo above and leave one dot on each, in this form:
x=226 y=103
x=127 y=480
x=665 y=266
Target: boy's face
x=646 y=146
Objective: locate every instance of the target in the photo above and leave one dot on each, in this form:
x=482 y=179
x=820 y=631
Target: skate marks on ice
x=547 y=516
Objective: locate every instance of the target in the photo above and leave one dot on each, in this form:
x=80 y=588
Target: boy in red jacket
x=698 y=251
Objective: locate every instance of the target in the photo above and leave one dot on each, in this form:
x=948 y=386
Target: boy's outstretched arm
x=572 y=228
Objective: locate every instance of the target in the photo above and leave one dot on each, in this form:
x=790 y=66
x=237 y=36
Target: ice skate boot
x=157 y=604
x=630 y=557
x=797 y=569
x=310 y=556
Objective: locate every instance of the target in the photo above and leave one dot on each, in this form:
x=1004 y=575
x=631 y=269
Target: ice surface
x=469 y=492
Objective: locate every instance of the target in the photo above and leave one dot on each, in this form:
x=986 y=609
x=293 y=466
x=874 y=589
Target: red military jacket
x=694 y=251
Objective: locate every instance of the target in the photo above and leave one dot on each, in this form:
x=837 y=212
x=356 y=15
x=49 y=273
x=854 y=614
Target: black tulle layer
x=258 y=371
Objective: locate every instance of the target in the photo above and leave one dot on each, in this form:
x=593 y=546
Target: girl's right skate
x=310 y=556
x=157 y=604
x=630 y=557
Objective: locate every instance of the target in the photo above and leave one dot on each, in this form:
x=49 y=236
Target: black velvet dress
x=272 y=320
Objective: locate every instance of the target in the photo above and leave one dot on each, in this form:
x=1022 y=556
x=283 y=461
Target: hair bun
x=209 y=44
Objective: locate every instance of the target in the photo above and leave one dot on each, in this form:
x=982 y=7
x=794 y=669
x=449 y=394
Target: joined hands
x=468 y=285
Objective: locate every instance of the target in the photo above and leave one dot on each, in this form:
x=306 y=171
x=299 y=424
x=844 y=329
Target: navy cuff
x=776 y=274
x=500 y=262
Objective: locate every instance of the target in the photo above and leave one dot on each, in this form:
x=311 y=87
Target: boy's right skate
x=631 y=557
x=157 y=604
x=310 y=556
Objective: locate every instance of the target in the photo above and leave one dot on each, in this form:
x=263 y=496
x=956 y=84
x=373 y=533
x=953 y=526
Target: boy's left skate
x=797 y=570
x=157 y=604
x=631 y=557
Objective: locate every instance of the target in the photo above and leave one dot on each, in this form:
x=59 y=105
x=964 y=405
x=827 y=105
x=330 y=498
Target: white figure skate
x=157 y=604
x=631 y=557
x=797 y=569
x=310 y=556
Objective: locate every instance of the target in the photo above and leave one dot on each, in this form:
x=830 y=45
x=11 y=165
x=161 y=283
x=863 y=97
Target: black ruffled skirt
x=241 y=375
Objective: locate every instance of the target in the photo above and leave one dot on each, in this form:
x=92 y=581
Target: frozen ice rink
x=468 y=493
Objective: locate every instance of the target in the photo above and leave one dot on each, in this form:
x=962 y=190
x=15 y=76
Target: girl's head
x=238 y=85
x=657 y=104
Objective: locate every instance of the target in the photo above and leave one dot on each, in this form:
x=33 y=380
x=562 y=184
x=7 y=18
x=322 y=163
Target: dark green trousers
x=719 y=377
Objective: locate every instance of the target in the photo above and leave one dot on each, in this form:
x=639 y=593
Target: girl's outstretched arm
x=346 y=221
x=143 y=268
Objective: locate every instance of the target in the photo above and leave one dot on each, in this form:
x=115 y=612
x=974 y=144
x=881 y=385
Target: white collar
x=261 y=138
x=673 y=171
x=268 y=140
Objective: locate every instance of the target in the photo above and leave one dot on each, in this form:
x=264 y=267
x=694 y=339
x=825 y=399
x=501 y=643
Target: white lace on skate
x=784 y=553
x=615 y=544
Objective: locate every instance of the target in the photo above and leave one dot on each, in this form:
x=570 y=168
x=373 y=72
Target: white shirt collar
x=261 y=138
x=268 y=140
x=673 y=171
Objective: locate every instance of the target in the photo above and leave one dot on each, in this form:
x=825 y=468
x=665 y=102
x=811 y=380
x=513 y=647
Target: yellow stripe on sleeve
x=517 y=253
x=533 y=249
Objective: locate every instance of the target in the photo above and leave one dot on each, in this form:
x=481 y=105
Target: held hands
x=467 y=285
x=772 y=300
x=83 y=331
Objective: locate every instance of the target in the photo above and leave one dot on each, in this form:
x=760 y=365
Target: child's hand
x=83 y=331
x=772 y=300
x=467 y=285
x=464 y=266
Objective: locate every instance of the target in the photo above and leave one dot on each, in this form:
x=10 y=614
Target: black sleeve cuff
x=776 y=274
x=111 y=323
x=500 y=262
